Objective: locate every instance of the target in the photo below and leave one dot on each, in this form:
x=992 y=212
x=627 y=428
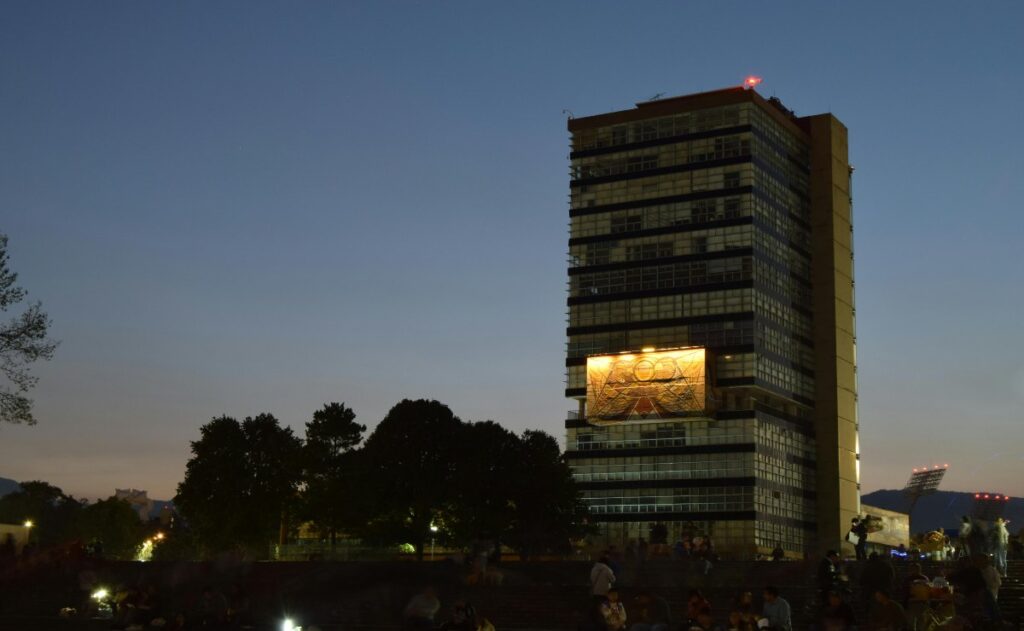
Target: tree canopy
x=423 y=474
x=23 y=340
x=328 y=464
x=239 y=483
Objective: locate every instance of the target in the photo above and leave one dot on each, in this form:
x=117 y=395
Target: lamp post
x=433 y=534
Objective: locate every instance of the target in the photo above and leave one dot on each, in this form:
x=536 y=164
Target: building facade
x=716 y=221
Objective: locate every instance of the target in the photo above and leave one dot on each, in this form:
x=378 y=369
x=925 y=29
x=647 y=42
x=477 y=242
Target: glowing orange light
x=977 y=495
x=945 y=465
x=915 y=470
x=986 y=496
x=751 y=81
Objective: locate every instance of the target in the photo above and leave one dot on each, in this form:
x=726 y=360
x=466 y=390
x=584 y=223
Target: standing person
x=859 y=527
x=601 y=577
x=828 y=574
x=992 y=584
x=1000 y=544
x=420 y=612
x=777 y=610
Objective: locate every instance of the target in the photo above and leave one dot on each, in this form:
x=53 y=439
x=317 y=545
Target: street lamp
x=433 y=534
x=29 y=523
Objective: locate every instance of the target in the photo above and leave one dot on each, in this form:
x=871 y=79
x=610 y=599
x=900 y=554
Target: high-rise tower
x=711 y=323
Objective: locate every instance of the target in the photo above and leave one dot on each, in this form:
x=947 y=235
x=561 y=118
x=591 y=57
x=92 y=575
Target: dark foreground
x=372 y=595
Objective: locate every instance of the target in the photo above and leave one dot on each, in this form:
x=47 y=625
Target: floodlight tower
x=989 y=506
x=923 y=481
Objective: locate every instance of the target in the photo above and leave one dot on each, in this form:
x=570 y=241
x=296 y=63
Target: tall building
x=711 y=340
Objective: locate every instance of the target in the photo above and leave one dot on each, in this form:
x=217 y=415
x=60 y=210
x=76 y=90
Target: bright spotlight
x=289 y=625
x=100 y=594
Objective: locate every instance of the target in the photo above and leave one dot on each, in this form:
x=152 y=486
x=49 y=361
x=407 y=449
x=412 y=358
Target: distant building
x=895 y=528
x=138 y=499
x=711 y=339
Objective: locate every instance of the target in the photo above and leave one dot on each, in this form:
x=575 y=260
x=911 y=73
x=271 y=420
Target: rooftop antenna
x=656 y=96
x=569 y=112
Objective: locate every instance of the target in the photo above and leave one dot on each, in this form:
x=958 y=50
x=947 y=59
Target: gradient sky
x=237 y=207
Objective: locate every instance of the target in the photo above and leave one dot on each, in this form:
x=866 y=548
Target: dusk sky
x=239 y=207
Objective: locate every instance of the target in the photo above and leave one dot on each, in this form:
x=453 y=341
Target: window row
x=647 y=248
x=661 y=307
x=661 y=216
x=687 y=274
x=707 y=335
x=785 y=378
x=792 y=145
x=666 y=185
x=662 y=127
x=664 y=468
x=675 y=154
x=670 y=500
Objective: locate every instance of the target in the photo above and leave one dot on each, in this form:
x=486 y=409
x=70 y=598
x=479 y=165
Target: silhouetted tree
x=113 y=522
x=239 y=483
x=407 y=469
x=486 y=466
x=52 y=512
x=22 y=341
x=328 y=465
x=547 y=510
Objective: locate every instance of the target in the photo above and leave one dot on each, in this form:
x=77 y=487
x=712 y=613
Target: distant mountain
x=942 y=509
x=8 y=486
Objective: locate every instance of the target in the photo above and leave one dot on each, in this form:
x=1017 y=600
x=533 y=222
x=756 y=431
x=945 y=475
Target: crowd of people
x=963 y=593
x=651 y=612
x=423 y=609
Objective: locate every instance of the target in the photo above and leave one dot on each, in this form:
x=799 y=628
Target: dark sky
x=237 y=207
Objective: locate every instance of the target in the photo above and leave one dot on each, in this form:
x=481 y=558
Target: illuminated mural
x=646 y=386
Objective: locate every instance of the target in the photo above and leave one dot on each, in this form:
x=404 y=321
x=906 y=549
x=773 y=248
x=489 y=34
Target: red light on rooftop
x=751 y=81
x=946 y=465
x=977 y=495
x=915 y=470
x=986 y=496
